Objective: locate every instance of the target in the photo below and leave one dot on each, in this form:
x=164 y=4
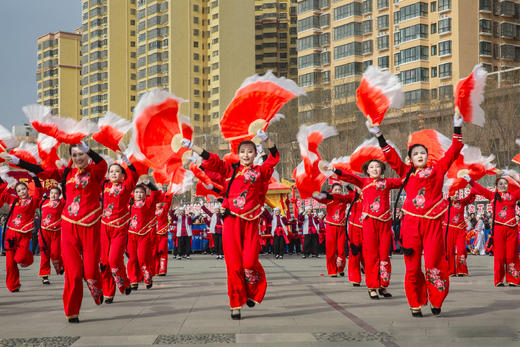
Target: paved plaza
x=302 y=308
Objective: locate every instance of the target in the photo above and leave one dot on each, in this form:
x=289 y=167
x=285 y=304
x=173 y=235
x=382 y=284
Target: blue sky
x=21 y=23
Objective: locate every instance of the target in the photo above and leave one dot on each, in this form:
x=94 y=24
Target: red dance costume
x=161 y=234
x=19 y=233
x=355 y=235
x=456 y=237
x=50 y=237
x=335 y=234
x=141 y=263
x=377 y=226
x=310 y=226
x=215 y=229
x=114 y=233
x=80 y=228
x=424 y=208
x=505 y=234
x=244 y=201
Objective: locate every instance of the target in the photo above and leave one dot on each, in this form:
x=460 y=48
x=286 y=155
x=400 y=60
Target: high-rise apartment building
x=108 y=57
x=58 y=73
x=429 y=45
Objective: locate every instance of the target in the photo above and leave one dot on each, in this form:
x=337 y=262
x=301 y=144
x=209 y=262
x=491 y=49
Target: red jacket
x=22 y=215
x=142 y=214
x=51 y=215
x=376 y=194
x=247 y=193
x=336 y=207
x=356 y=213
x=456 y=212
x=505 y=213
x=424 y=188
x=161 y=213
x=82 y=192
x=116 y=198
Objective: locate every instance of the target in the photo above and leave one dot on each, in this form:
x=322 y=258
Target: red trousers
x=245 y=275
x=461 y=266
x=50 y=251
x=423 y=234
x=161 y=258
x=335 y=239
x=140 y=258
x=113 y=269
x=505 y=254
x=451 y=240
x=17 y=253
x=377 y=242
x=80 y=251
x=355 y=235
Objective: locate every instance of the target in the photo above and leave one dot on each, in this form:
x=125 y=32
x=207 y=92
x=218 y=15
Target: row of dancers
x=104 y=212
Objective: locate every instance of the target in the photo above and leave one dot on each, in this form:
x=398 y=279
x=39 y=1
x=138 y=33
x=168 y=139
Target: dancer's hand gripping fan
x=470 y=162
x=255 y=105
x=180 y=154
x=516 y=159
x=48 y=151
x=377 y=92
x=27 y=152
x=4 y=175
x=156 y=125
x=112 y=128
x=137 y=159
x=308 y=174
x=469 y=94
x=63 y=129
x=436 y=143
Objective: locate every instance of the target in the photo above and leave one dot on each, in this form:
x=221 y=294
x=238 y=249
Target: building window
x=485 y=5
x=347 y=50
x=367 y=27
x=445 y=70
x=416 y=96
x=309 y=60
x=444 y=26
x=485 y=48
x=444 y=48
x=309 y=23
x=195 y=20
x=445 y=92
x=485 y=26
x=307 y=80
x=411 y=54
x=434 y=72
x=413 y=76
x=444 y=5
x=367 y=47
x=433 y=28
x=383 y=42
x=433 y=50
x=347 y=30
x=433 y=6
x=308 y=5
x=413 y=11
x=383 y=62
x=382 y=22
x=349 y=69
x=366 y=6
x=325 y=76
x=381 y=4
x=348 y=10
x=307 y=42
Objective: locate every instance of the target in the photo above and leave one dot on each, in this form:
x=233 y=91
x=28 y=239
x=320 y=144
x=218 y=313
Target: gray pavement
x=301 y=308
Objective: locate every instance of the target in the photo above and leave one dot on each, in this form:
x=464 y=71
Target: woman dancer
x=377 y=223
x=20 y=224
x=161 y=233
x=243 y=200
x=422 y=229
x=117 y=191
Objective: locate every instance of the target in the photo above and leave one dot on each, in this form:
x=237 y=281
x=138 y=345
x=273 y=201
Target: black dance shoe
x=128 y=290
x=436 y=311
x=384 y=293
x=235 y=314
x=372 y=293
x=74 y=320
x=250 y=303
x=416 y=312
x=109 y=300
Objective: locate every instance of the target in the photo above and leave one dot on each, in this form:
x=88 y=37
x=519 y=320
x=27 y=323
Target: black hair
x=247 y=143
x=501 y=177
x=71 y=147
x=336 y=184
x=364 y=168
x=141 y=186
x=413 y=147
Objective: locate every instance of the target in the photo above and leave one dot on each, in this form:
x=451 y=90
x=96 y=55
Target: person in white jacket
x=480 y=248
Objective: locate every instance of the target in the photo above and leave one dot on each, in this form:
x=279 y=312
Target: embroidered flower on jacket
x=17 y=221
x=74 y=206
x=419 y=200
x=425 y=172
x=250 y=176
x=240 y=201
x=81 y=180
x=47 y=219
x=251 y=276
x=456 y=218
x=503 y=213
x=380 y=184
x=139 y=204
x=107 y=212
x=383 y=271
x=133 y=222
x=335 y=217
x=25 y=202
x=513 y=271
x=115 y=190
x=54 y=203
x=376 y=205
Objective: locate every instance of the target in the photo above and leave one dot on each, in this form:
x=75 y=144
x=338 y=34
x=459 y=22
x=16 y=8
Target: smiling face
x=54 y=194
x=22 y=191
x=79 y=158
x=115 y=173
x=419 y=157
x=502 y=185
x=276 y=212
x=247 y=154
x=374 y=169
